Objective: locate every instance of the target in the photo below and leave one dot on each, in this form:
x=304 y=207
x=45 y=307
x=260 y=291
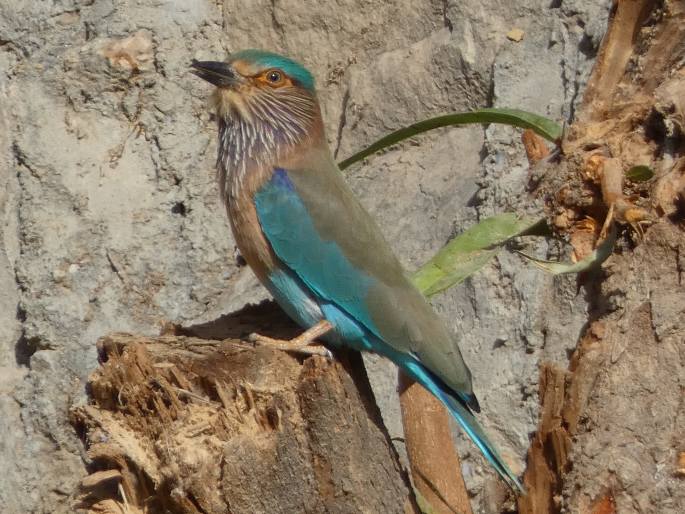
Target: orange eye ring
x=274 y=77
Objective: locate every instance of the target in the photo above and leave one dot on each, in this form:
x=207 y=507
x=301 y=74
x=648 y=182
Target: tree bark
x=195 y=426
x=610 y=437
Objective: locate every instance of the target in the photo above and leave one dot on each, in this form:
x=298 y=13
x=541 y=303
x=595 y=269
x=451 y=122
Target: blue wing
x=319 y=263
x=357 y=293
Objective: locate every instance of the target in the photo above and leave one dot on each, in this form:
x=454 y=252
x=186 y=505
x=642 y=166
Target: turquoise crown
x=265 y=60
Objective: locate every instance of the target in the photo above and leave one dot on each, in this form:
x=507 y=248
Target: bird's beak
x=220 y=74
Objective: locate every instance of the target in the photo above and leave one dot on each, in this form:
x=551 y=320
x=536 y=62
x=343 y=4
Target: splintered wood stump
x=185 y=425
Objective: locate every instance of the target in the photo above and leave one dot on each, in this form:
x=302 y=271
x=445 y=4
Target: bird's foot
x=304 y=343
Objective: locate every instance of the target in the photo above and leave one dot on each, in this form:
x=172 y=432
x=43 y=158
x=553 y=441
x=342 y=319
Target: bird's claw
x=296 y=345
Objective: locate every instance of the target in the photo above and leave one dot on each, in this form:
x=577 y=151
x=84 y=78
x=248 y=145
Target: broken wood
x=185 y=425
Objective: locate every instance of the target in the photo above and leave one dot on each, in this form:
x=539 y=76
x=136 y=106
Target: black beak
x=220 y=74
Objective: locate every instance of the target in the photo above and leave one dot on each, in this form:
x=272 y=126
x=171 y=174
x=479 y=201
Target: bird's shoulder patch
x=280 y=179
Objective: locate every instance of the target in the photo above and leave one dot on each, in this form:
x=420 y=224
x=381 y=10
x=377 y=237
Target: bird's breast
x=239 y=193
x=246 y=163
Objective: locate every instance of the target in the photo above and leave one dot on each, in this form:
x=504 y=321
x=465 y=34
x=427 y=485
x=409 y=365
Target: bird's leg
x=300 y=344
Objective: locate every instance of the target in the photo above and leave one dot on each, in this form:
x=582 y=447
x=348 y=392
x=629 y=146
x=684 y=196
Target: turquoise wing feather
x=318 y=229
x=319 y=262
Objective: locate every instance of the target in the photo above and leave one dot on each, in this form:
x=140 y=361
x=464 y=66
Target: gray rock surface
x=111 y=220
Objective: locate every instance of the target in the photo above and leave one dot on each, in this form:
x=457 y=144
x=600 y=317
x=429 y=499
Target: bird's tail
x=458 y=409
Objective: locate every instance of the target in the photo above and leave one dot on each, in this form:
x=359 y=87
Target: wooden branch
x=185 y=425
x=432 y=456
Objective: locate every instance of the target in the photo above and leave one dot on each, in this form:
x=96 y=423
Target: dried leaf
x=598 y=256
x=605 y=505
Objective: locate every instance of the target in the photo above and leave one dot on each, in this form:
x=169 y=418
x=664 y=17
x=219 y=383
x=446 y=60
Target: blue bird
x=312 y=244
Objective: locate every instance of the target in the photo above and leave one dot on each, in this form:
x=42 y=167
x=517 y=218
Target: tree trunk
x=611 y=434
x=196 y=426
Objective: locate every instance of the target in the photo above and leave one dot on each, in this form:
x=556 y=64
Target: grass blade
x=542 y=126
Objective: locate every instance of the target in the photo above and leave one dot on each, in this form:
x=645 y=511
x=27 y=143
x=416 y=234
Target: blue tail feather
x=458 y=407
x=471 y=426
x=289 y=291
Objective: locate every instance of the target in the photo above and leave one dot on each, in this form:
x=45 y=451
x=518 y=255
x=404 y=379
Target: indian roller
x=312 y=244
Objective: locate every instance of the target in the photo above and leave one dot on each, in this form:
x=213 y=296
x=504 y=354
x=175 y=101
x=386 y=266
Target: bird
x=310 y=241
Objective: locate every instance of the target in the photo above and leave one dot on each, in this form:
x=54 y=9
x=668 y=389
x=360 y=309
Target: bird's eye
x=274 y=76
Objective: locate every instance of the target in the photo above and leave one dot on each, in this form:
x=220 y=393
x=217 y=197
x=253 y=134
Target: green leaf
x=470 y=251
x=639 y=173
x=597 y=257
x=541 y=125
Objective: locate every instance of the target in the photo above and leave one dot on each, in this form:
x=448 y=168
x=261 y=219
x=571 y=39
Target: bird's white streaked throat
x=257 y=127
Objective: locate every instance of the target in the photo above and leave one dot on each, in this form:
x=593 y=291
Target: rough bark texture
x=611 y=433
x=184 y=425
x=111 y=221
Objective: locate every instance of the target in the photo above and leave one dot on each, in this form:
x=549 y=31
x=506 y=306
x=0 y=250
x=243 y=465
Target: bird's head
x=264 y=101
